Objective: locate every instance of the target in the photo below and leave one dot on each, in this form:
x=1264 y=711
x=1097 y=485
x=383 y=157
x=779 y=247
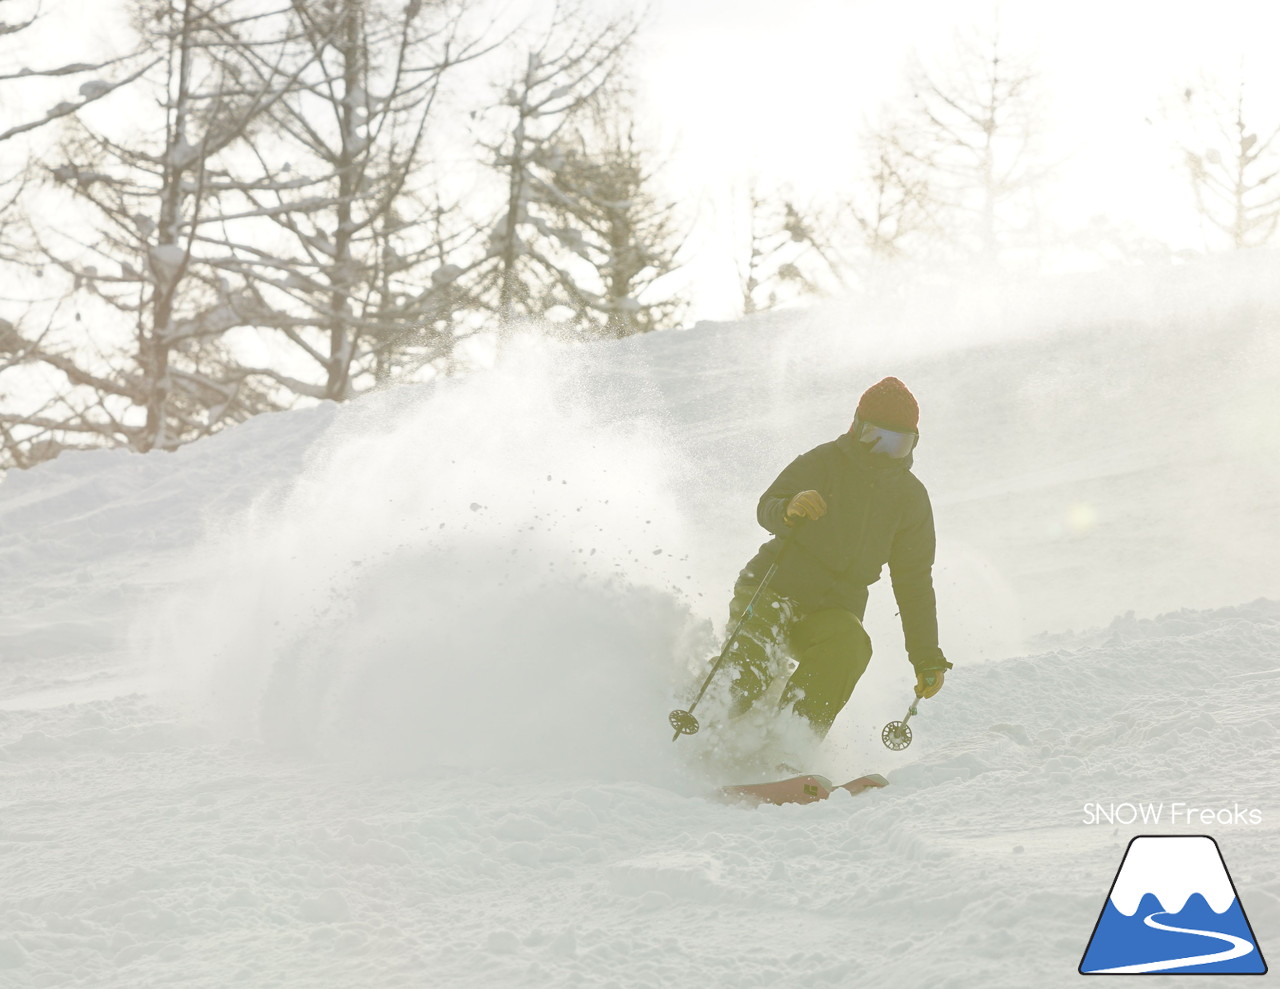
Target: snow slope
x=376 y=695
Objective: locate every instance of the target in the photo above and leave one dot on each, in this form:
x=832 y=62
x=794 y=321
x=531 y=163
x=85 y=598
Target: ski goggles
x=891 y=443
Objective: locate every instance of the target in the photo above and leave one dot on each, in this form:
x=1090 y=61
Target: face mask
x=892 y=443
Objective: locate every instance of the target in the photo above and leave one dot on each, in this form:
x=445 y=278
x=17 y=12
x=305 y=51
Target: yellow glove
x=928 y=682
x=805 y=505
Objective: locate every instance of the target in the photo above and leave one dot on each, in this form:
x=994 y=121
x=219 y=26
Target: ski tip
x=872 y=781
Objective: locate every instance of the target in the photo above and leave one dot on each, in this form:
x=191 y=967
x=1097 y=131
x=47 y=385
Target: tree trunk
x=341 y=333
x=168 y=256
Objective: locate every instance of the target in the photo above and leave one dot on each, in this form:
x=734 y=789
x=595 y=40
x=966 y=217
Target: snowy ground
x=376 y=696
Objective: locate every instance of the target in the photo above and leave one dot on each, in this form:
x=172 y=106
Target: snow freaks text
x=1176 y=812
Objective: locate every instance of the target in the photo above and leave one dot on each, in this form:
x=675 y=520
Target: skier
x=842 y=511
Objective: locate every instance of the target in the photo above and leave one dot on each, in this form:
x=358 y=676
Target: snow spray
x=486 y=573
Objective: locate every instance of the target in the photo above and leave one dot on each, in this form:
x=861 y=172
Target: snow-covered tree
x=1233 y=160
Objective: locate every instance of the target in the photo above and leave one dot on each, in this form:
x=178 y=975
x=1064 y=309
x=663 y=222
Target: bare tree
x=354 y=266
x=562 y=74
x=789 y=252
x=33 y=434
x=893 y=206
x=74 y=85
x=119 y=72
x=1232 y=159
x=973 y=129
x=606 y=213
x=93 y=80
x=176 y=381
x=421 y=325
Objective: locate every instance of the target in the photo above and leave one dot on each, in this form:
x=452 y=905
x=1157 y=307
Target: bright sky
x=753 y=85
x=741 y=87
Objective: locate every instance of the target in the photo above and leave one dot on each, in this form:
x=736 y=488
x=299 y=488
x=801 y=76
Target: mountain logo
x=1172 y=909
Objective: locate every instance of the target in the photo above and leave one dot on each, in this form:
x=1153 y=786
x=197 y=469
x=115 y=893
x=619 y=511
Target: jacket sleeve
x=911 y=570
x=802 y=474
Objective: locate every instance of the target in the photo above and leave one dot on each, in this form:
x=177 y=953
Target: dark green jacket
x=878 y=512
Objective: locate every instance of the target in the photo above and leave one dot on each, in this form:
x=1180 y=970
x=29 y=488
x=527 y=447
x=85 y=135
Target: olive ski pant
x=830 y=646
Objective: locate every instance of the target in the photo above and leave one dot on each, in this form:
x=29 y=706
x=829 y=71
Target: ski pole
x=897 y=734
x=683 y=721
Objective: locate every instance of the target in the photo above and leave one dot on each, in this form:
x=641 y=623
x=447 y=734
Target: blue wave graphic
x=1125 y=942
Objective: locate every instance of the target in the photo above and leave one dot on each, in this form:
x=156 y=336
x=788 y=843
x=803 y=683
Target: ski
x=806 y=789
